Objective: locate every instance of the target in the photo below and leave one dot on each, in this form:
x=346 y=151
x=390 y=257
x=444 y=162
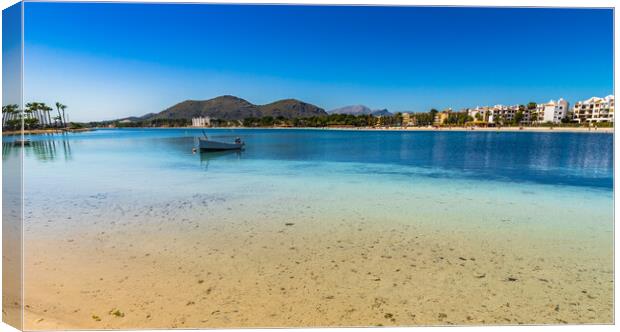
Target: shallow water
x=367 y=227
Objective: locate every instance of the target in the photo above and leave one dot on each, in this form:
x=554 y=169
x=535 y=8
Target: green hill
x=234 y=108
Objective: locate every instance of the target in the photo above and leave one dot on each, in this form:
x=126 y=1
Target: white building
x=553 y=111
x=594 y=110
x=539 y=114
x=479 y=113
x=497 y=114
x=504 y=114
x=201 y=121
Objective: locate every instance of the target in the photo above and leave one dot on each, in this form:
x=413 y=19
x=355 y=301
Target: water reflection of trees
x=9 y=151
x=43 y=150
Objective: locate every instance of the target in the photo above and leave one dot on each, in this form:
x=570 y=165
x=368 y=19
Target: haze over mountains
x=359 y=110
x=234 y=108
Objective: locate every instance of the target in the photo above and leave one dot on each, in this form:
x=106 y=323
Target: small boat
x=207 y=145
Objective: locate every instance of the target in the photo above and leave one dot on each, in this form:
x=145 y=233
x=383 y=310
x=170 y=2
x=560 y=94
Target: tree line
x=348 y=120
x=525 y=114
x=36 y=115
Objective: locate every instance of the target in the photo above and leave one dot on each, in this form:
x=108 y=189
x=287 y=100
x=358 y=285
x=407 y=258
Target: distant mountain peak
x=381 y=112
x=352 y=110
x=359 y=110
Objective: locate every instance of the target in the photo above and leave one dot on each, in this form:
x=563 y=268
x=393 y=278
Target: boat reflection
x=207 y=157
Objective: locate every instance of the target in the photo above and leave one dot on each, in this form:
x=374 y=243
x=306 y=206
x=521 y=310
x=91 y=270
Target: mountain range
x=359 y=110
x=234 y=108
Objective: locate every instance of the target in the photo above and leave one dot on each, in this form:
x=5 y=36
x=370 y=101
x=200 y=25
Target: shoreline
x=607 y=130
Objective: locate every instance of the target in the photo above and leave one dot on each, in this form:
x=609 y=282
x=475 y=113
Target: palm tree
x=43 y=114
x=47 y=110
x=30 y=122
x=499 y=119
x=37 y=112
x=398 y=118
x=8 y=112
x=31 y=109
x=31 y=116
x=58 y=107
x=64 y=117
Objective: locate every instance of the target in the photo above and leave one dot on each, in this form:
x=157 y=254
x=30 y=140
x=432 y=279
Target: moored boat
x=207 y=145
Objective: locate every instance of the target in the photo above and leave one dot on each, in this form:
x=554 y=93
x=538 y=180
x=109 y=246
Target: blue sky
x=112 y=60
x=11 y=54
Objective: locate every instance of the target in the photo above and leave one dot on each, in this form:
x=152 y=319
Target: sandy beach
x=210 y=261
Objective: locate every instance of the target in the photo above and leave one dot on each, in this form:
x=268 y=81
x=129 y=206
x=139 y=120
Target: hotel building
x=553 y=111
x=505 y=113
x=480 y=113
x=496 y=114
x=201 y=121
x=442 y=116
x=594 y=110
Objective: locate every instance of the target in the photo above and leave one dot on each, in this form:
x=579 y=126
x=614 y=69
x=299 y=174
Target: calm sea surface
x=537 y=173
x=543 y=172
x=560 y=159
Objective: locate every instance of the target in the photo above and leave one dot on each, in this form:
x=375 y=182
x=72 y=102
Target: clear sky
x=11 y=54
x=107 y=61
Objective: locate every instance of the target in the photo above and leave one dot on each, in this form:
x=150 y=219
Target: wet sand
x=207 y=260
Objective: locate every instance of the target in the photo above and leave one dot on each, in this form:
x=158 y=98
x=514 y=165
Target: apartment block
x=594 y=110
x=553 y=111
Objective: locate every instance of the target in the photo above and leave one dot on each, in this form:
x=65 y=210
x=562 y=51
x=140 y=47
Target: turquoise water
x=573 y=159
x=440 y=177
